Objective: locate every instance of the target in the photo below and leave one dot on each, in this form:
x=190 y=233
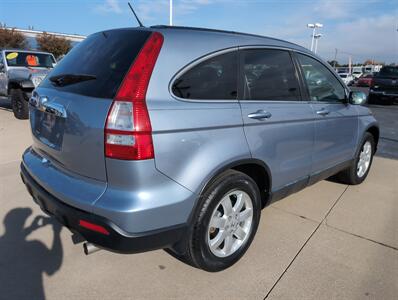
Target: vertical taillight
x=128 y=132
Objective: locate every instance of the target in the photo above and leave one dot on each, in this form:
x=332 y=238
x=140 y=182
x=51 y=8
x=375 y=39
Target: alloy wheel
x=230 y=224
x=364 y=159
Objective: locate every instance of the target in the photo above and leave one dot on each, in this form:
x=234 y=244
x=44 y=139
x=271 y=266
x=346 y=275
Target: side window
x=215 y=78
x=322 y=84
x=269 y=75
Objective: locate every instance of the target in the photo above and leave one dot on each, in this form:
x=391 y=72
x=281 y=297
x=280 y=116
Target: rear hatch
x=68 y=110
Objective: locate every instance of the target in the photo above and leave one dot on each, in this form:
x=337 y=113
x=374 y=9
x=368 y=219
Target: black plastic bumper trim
x=118 y=240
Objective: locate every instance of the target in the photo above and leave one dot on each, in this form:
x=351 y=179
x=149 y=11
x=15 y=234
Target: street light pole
x=314 y=26
x=317 y=37
x=313 y=37
x=335 y=59
x=313 y=34
x=171 y=13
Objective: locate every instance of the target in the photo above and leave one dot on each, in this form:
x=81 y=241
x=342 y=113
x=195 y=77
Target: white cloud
x=371 y=37
x=109 y=6
x=159 y=9
x=333 y=9
x=345 y=28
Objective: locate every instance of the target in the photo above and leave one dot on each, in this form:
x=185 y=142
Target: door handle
x=260 y=114
x=322 y=112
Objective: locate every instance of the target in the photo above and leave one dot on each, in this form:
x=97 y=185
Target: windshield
x=343 y=75
x=29 y=59
x=389 y=71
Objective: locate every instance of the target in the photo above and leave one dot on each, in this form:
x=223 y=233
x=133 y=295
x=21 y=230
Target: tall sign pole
x=171 y=13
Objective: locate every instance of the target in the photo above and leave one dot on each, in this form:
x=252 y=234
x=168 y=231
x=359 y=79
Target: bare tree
x=10 y=38
x=56 y=45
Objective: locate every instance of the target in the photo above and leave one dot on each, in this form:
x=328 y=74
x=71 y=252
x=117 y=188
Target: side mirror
x=357 y=98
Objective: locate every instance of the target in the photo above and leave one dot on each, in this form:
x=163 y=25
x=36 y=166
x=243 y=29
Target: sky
x=362 y=29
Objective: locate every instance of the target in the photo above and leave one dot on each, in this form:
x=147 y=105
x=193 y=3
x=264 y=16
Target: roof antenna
x=135 y=15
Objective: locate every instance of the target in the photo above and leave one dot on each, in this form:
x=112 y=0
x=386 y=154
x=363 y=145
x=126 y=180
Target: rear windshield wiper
x=66 y=79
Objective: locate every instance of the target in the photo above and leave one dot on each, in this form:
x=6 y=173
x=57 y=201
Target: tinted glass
x=269 y=75
x=26 y=59
x=389 y=72
x=106 y=55
x=215 y=78
x=322 y=84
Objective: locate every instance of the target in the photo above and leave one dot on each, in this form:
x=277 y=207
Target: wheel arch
x=375 y=132
x=255 y=169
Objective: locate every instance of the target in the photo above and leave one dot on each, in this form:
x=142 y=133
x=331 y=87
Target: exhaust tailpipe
x=89 y=248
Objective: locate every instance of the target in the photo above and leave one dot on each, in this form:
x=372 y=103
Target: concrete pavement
x=329 y=241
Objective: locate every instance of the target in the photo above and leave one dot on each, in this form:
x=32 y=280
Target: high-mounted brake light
x=128 y=131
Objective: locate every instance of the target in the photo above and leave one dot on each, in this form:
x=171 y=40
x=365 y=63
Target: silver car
x=176 y=138
x=20 y=72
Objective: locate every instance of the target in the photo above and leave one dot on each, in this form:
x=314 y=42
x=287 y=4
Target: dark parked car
x=384 y=88
x=173 y=137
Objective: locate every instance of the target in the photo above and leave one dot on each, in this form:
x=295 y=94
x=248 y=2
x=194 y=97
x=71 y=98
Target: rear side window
x=269 y=75
x=106 y=55
x=215 y=78
x=389 y=71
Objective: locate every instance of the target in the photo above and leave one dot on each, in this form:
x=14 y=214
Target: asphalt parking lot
x=329 y=241
x=387 y=115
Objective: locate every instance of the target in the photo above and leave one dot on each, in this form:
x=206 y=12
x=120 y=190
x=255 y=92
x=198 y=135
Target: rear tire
x=221 y=233
x=19 y=104
x=363 y=159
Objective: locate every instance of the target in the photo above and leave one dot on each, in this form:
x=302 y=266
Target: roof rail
x=220 y=31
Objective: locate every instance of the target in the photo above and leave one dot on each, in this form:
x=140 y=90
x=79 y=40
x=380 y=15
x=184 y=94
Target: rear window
x=389 y=71
x=106 y=55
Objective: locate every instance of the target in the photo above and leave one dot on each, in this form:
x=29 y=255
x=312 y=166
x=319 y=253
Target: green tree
x=333 y=63
x=56 y=45
x=9 y=38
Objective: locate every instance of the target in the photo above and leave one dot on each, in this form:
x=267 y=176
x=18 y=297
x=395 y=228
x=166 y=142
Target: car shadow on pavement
x=23 y=261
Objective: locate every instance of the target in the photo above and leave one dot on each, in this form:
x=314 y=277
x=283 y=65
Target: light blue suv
x=175 y=138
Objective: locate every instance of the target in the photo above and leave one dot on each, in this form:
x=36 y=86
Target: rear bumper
x=117 y=240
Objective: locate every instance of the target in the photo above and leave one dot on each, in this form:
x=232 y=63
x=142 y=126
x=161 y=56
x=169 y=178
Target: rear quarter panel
x=192 y=139
x=365 y=120
x=191 y=144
